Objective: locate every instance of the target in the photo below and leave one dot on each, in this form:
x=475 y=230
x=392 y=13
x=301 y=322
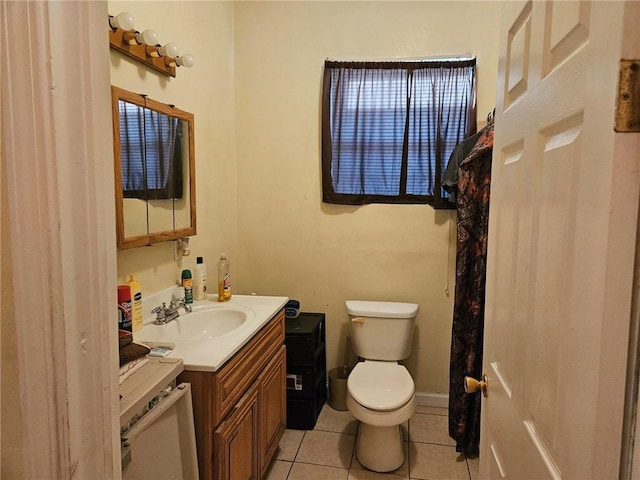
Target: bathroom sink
x=205 y=322
x=213 y=332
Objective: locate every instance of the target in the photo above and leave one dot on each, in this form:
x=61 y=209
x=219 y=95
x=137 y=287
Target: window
x=388 y=129
x=151 y=153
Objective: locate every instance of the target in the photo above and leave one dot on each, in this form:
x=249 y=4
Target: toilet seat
x=380 y=386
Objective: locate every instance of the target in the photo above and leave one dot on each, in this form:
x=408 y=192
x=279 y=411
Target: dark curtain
x=164 y=147
x=449 y=93
x=132 y=150
x=472 y=202
x=151 y=153
x=368 y=121
x=387 y=127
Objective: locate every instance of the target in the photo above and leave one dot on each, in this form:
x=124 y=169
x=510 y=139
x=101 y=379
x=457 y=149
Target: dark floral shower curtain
x=472 y=202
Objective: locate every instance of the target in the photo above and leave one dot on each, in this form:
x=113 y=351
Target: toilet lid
x=380 y=386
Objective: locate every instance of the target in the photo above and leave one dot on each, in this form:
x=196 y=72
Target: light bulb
x=148 y=37
x=168 y=50
x=185 y=60
x=123 y=21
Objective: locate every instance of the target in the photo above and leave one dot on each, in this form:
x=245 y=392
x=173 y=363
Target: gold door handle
x=471 y=385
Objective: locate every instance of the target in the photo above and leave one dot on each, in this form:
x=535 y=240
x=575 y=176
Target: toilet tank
x=381 y=330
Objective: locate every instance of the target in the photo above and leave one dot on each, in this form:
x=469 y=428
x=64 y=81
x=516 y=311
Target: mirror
x=155 y=184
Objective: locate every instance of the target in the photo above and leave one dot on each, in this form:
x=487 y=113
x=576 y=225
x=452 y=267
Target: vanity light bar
x=144 y=47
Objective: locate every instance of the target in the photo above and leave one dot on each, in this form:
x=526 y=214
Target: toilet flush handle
x=357 y=320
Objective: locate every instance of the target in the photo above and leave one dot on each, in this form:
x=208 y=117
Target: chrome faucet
x=165 y=314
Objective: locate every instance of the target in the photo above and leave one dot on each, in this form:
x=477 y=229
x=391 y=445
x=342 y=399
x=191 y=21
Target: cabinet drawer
x=304 y=337
x=233 y=379
x=304 y=380
x=302 y=413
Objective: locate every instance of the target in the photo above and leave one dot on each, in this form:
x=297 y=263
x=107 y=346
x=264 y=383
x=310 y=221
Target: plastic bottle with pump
x=224 y=279
x=200 y=280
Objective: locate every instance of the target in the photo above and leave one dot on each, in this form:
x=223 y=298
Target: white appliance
x=156 y=423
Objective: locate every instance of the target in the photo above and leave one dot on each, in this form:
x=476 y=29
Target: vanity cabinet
x=235 y=441
x=273 y=407
x=240 y=409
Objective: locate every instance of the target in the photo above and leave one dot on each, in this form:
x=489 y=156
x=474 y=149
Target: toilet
x=380 y=391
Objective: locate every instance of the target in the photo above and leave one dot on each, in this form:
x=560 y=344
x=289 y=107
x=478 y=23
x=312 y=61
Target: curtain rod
x=453 y=57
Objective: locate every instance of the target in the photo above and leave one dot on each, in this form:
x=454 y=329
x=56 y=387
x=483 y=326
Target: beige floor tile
x=327 y=452
x=331 y=420
x=326 y=448
x=305 y=471
x=402 y=472
x=437 y=462
x=430 y=429
x=474 y=468
x=433 y=410
x=278 y=470
x=289 y=445
x=369 y=475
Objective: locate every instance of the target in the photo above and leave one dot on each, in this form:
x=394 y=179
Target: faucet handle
x=160 y=311
x=176 y=302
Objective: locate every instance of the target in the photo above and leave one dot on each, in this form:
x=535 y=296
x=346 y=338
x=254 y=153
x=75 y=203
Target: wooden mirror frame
x=150 y=237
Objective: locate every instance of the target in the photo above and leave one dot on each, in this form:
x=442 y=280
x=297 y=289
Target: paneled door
x=562 y=236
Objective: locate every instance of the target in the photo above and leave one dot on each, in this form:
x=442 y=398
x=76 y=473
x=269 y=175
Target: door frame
x=58 y=241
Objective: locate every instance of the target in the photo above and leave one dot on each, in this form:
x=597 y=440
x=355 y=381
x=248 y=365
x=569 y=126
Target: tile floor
x=328 y=451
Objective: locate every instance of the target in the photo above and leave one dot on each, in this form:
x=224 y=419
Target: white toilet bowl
x=381 y=394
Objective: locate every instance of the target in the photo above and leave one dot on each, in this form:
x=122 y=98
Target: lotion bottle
x=136 y=302
x=200 y=280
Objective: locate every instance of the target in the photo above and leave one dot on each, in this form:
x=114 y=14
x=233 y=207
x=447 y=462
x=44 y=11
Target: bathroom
x=280 y=237
x=257 y=159
x=255 y=92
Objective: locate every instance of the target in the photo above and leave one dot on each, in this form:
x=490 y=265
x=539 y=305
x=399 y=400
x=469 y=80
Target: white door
x=562 y=233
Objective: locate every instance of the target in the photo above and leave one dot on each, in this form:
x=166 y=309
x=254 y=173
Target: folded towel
x=132 y=352
x=125 y=338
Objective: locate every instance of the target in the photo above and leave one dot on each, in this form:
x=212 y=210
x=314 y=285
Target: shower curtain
x=472 y=203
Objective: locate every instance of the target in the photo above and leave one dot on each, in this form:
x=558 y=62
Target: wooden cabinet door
x=273 y=407
x=235 y=442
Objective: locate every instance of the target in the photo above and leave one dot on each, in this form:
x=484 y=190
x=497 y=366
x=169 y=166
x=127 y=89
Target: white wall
x=255 y=92
x=290 y=243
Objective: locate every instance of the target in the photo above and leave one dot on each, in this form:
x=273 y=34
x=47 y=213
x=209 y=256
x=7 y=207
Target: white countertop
x=209 y=355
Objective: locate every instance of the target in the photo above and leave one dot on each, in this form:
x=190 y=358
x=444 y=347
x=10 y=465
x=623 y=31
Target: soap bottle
x=200 y=280
x=224 y=279
x=187 y=283
x=136 y=302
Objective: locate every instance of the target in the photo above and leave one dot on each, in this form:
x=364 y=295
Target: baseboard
x=432 y=400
